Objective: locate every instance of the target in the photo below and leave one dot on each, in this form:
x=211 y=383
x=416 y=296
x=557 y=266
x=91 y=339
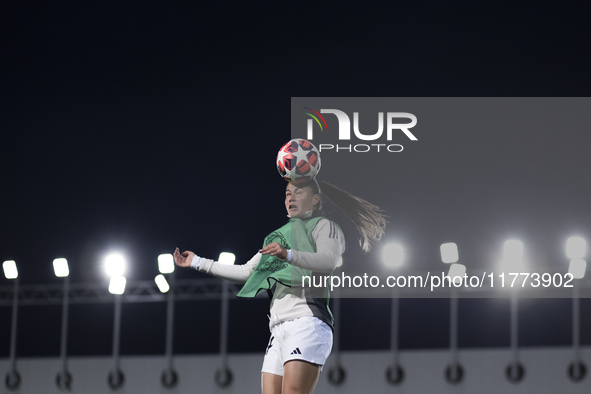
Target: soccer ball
x=298 y=161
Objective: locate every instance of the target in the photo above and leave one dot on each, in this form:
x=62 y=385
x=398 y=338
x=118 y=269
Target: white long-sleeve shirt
x=287 y=303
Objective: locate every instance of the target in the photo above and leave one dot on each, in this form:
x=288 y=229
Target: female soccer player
x=300 y=320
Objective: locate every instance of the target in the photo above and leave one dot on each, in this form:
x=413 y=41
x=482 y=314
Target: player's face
x=298 y=200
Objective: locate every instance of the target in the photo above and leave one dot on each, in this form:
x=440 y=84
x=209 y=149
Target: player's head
x=300 y=199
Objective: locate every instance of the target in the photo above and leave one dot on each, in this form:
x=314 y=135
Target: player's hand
x=275 y=249
x=183 y=259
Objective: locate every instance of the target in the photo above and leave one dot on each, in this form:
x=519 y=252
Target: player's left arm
x=330 y=245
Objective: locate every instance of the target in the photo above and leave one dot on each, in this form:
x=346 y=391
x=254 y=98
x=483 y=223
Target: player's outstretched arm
x=234 y=273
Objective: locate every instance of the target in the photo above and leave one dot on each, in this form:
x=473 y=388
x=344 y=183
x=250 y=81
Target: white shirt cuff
x=196 y=262
x=289 y=255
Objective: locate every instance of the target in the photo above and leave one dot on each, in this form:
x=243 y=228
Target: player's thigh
x=271 y=383
x=300 y=377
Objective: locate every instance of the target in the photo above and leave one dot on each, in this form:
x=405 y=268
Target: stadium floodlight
x=165 y=263
x=117 y=285
x=162 y=283
x=449 y=253
x=60 y=268
x=456 y=271
x=226 y=258
x=114 y=264
x=577 y=268
x=393 y=255
x=576 y=248
x=512 y=256
x=513 y=251
x=10 y=271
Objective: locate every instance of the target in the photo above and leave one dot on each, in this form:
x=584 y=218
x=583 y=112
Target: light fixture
x=513 y=256
x=576 y=248
x=162 y=283
x=114 y=264
x=117 y=285
x=226 y=258
x=456 y=271
x=165 y=263
x=10 y=271
x=577 y=268
x=449 y=253
x=393 y=255
x=60 y=268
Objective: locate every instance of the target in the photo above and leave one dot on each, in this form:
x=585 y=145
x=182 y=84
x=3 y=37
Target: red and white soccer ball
x=298 y=161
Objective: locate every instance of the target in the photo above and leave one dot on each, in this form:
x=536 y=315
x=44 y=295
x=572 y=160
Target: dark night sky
x=141 y=127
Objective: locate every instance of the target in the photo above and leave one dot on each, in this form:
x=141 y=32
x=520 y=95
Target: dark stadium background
x=142 y=126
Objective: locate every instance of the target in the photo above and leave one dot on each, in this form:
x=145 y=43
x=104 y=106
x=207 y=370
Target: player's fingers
x=271 y=246
x=280 y=251
x=178 y=259
x=276 y=250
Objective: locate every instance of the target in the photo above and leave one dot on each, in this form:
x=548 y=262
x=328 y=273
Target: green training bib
x=295 y=235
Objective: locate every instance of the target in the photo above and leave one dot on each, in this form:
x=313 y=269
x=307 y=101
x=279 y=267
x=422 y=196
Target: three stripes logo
x=296 y=351
x=269 y=345
x=334 y=233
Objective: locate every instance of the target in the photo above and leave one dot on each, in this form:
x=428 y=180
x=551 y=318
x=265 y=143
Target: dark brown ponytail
x=367 y=217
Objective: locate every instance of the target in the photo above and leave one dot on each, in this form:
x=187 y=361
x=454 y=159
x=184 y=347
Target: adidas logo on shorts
x=296 y=351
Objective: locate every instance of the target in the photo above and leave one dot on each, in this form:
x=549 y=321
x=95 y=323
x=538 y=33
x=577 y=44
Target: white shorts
x=306 y=338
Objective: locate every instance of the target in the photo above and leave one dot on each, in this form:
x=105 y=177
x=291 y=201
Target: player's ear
x=315 y=199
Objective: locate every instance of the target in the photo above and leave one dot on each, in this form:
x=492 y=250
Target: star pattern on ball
x=296 y=157
x=297 y=166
